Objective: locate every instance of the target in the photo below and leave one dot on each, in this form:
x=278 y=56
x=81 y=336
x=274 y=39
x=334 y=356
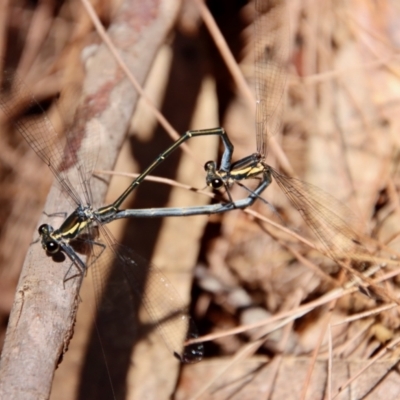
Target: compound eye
x=217 y=183
x=209 y=166
x=42 y=229
x=52 y=246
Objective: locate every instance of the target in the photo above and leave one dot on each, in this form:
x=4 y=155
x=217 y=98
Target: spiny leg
x=76 y=261
x=62 y=214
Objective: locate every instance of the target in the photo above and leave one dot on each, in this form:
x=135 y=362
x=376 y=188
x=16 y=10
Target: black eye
x=52 y=246
x=217 y=183
x=42 y=229
x=209 y=166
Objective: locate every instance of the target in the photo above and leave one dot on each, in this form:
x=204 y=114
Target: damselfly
x=72 y=161
x=81 y=228
x=333 y=223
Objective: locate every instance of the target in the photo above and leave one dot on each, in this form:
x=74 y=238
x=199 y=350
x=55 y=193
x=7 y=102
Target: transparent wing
x=131 y=282
x=329 y=219
x=62 y=153
x=271 y=53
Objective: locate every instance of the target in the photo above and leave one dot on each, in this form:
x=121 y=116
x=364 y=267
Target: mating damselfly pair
x=339 y=240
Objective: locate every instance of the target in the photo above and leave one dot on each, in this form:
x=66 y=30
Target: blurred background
x=339 y=130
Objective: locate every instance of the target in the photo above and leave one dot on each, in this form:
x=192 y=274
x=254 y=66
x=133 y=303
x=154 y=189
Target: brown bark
x=43 y=315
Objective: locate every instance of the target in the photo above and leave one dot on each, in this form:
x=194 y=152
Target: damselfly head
x=49 y=244
x=213 y=177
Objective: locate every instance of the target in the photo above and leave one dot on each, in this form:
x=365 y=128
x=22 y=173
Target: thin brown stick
x=112 y=47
